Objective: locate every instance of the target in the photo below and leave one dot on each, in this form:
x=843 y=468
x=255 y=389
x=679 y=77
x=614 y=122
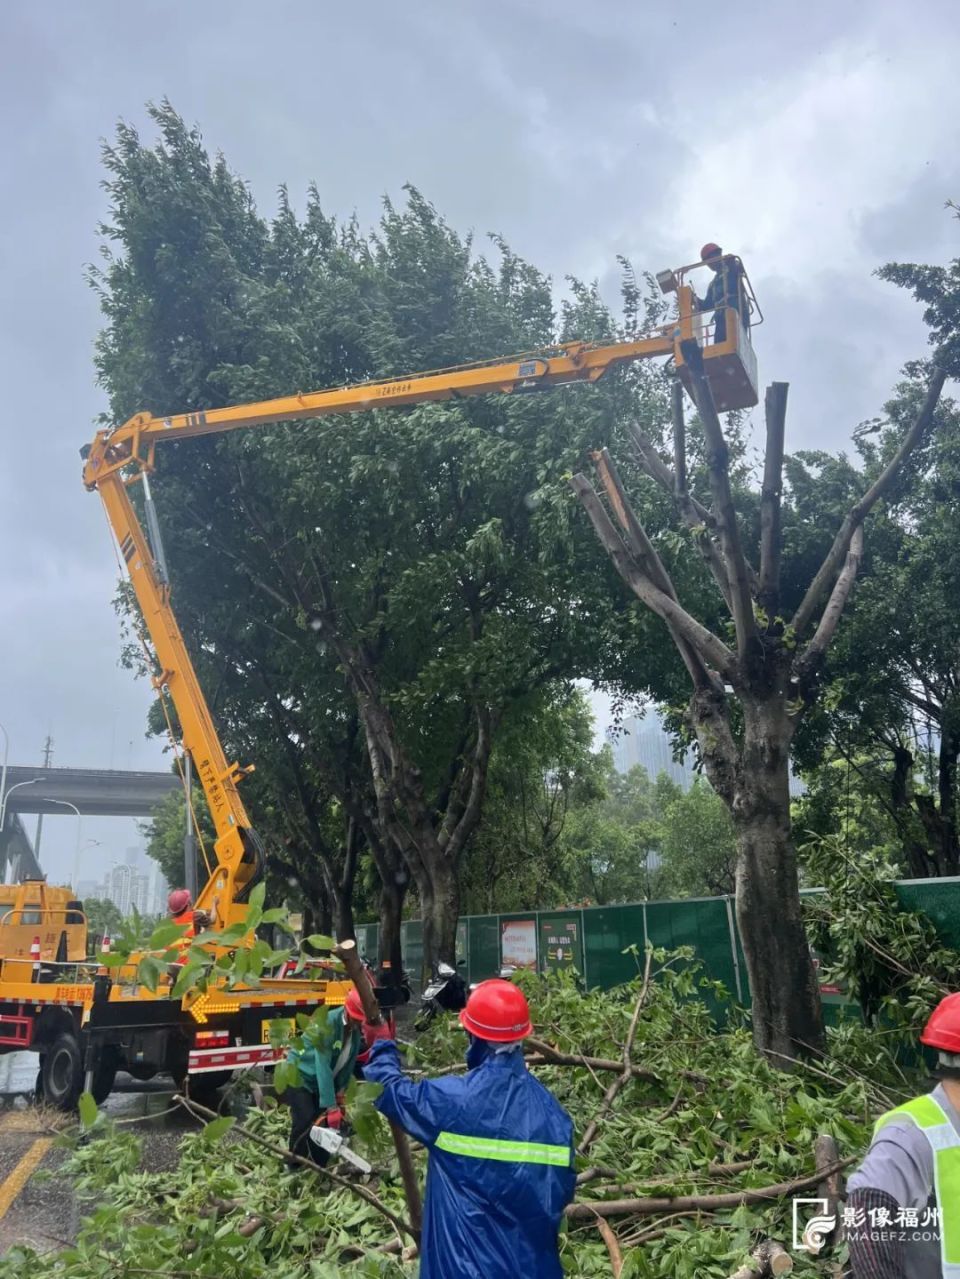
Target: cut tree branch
x=775 y=409
x=286 y=1156
x=587 y=1209
x=636 y=535
x=627 y=1073
x=542 y=1053
x=835 y=605
x=718 y=466
x=696 y=516
x=859 y=512
x=613 y=1246
x=708 y=647
x=679 y=440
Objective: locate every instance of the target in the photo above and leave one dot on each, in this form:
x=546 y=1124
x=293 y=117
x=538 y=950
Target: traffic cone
x=35 y=958
x=105 y=949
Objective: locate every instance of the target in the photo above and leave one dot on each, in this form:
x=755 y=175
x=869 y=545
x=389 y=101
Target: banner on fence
x=561 y=942
x=518 y=943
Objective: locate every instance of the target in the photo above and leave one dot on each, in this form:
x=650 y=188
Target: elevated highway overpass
x=95 y=792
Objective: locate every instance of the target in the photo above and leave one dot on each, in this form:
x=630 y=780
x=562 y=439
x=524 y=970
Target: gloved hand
x=372 y=1033
x=334 y=1117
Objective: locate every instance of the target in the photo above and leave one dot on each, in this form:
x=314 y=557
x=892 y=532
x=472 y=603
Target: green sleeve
x=326 y=1091
x=325 y=1059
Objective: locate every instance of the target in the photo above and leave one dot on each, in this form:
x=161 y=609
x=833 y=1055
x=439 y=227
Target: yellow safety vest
x=933 y=1121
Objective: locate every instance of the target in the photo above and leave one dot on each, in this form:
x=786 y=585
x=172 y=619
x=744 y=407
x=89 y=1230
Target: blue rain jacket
x=500 y=1170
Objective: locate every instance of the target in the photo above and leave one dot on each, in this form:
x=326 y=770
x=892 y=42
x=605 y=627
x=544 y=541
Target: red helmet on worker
x=353 y=1005
x=497 y=1011
x=942 y=1031
x=710 y=250
x=179 y=901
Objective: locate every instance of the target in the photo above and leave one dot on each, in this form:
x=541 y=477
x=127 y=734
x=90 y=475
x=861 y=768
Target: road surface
x=41 y=1213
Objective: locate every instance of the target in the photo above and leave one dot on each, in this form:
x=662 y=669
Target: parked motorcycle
x=445 y=992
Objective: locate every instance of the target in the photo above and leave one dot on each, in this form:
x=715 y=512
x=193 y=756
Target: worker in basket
x=325 y=1071
x=902 y=1216
x=500 y=1170
x=725 y=289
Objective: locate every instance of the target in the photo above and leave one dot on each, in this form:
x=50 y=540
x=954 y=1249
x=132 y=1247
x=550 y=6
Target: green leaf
x=275 y=915
x=319 y=942
x=112 y=959
x=186 y=978
x=285 y=1075
x=217 y=1127
x=88 y=1110
x=164 y=934
x=149 y=972
x=256 y=898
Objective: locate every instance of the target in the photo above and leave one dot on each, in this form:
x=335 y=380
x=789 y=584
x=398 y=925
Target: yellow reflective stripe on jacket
x=518 y=1152
x=933 y=1121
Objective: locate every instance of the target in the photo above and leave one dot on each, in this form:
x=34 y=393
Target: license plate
x=265 y=1027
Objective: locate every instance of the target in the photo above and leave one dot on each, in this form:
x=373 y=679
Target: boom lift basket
x=729 y=365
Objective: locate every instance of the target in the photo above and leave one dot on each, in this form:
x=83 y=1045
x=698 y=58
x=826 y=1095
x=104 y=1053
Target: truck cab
x=35 y=911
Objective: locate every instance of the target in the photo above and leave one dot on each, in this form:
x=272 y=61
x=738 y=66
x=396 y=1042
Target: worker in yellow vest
x=903 y=1208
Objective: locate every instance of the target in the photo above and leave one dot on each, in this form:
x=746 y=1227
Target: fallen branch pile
x=689 y=1150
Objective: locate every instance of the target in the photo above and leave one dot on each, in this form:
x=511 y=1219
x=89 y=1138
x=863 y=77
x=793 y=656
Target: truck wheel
x=104 y=1075
x=62 y=1072
x=204 y=1088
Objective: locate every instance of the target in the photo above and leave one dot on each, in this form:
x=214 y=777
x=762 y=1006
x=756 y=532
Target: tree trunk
x=907 y=816
x=947 y=788
x=343 y=918
x=446 y=911
x=786 y=1013
x=440 y=908
x=391 y=918
x=317 y=916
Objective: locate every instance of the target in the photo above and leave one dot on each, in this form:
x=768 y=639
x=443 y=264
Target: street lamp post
x=76 y=852
x=5 y=795
x=87 y=843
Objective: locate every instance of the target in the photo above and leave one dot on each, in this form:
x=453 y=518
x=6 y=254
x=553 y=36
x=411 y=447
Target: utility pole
x=47 y=757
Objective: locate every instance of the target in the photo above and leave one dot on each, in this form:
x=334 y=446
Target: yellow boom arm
x=573 y=362
x=123 y=455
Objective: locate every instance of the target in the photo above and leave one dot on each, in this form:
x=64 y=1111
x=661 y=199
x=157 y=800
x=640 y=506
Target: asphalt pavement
x=41 y=1212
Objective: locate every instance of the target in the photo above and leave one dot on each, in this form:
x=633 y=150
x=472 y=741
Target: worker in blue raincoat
x=500 y=1169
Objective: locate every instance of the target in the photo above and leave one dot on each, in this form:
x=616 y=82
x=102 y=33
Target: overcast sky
x=817 y=140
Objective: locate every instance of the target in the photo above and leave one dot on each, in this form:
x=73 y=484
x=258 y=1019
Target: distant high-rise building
x=119 y=886
x=643 y=740
x=159 y=891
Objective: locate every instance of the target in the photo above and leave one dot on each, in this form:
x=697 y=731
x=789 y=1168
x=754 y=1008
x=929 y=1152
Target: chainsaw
x=330 y=1140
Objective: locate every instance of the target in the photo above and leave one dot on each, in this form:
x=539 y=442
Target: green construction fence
x=605 y=944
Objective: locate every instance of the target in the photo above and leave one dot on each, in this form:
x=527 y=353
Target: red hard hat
x=710 y=250
x=179 y=901
x=354 y=1005
x=497 y=1010
x=942 y=1031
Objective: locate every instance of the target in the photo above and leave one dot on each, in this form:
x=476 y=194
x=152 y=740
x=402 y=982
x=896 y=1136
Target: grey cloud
x=568 y=128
